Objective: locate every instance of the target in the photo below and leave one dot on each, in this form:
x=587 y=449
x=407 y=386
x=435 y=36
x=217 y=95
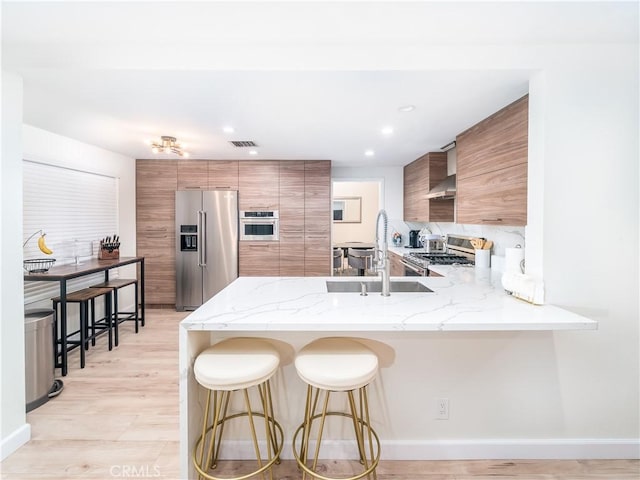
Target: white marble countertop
x=465 y=299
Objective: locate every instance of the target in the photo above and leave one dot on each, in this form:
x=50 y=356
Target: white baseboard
x=543 y=449
x=15 y=440
x=511 y=449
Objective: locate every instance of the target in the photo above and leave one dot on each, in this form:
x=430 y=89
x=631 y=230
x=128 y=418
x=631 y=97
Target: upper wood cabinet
x=208 y=174
x=156 y=184
x=223 y=174
x=259 y=184
x=492 y=168
x=419 y=177
x=193 y=174
x=317 y=218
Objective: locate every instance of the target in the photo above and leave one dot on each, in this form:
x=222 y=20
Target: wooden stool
x=118 y=316
x=83 y=298
x=231 y=365
x=337 y=365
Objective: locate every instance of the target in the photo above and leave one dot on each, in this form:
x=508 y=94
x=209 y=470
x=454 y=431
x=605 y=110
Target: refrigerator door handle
x=203 y=235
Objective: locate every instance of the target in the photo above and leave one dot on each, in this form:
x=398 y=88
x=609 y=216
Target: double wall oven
x=458 y=251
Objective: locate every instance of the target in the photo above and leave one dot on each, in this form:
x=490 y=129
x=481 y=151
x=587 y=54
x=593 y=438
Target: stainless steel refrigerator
x=207 y=245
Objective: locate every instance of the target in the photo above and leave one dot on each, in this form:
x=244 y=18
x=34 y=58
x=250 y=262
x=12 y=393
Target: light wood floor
x=118 y=418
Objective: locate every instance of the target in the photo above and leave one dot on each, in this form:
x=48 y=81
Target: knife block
x=104 y=254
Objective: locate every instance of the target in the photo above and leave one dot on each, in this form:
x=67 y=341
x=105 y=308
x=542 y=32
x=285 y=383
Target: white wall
x=13 y=428
x=24 y=141
x=365 y=230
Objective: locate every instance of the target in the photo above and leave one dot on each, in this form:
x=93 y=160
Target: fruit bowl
x=38 y=265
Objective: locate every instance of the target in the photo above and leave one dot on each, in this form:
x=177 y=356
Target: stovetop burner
x=459 y=253
x=425 y=259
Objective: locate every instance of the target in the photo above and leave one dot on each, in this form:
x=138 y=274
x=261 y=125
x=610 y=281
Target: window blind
x=75 y=209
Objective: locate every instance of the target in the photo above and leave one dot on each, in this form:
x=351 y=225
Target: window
x=75 y=209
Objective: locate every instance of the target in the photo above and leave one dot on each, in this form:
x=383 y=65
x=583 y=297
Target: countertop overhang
x=465 y=299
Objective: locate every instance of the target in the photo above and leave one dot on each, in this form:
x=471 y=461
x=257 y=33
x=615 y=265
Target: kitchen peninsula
x=465 y=302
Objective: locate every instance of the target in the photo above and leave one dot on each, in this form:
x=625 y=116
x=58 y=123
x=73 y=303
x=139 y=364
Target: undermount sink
x=375 y=287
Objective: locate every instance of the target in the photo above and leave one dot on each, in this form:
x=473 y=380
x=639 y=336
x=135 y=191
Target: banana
x=43 y=246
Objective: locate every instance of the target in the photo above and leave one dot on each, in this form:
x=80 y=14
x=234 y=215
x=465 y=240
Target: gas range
x=459 y=251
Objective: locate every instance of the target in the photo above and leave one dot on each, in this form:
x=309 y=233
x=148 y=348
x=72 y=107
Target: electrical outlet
x=442 y=409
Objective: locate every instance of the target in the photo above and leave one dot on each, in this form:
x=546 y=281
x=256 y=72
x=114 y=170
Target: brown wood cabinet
x=223 y=174
x=259 y=259
x=259 y=184
x=193 y=174
x=396 y=266
x=419 y=177
x=156 y=184
x=492 y=168
x=317 y=218
x=292 y=189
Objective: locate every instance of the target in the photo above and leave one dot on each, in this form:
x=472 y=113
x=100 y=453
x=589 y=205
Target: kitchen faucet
x=381 y=254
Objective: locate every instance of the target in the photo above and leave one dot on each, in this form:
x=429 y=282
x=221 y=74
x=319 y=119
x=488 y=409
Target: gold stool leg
x=204 y=431
x=357 y=429
x=363 y=394
x=267 y=405
x=308 y=413
x=224 y=405
x=321 y=429
x=212 y=433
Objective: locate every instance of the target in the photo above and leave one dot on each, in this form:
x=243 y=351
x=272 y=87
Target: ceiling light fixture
x=369 y=153
x=407 y=108
x=253 y=152
x=228 y=130
x=387 y=130
x=168 y=145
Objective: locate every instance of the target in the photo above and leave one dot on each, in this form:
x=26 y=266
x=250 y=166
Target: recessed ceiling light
x=387 y=130
x=407 y=108
x=228 y=129
x=253 y=152
x=369 y=153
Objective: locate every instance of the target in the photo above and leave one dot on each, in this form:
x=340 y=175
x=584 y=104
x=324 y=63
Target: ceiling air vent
x=243 y=143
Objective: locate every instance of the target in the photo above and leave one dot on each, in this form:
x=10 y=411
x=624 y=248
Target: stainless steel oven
x=259 y=225
x=411 y=270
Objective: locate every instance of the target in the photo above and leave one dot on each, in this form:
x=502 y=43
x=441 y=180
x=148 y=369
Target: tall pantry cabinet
x=156 y=184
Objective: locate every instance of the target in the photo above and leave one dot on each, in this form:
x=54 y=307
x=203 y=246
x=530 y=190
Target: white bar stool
x=337 y=365
x=236 y=364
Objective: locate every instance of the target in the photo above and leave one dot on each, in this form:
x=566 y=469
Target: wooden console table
x=63 y=273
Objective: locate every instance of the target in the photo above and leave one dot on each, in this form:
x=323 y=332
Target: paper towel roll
x=512 y=259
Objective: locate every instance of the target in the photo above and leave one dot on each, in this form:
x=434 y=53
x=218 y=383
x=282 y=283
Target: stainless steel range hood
x=444 y=190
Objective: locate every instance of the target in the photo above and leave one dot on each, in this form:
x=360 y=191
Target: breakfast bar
x=292 y=311
x=63 y=273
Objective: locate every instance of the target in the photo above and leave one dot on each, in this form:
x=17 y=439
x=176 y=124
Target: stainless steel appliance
x=414 y=239
x=207 y=245
x=433 y=243
x=259 y=225
x=458 y=251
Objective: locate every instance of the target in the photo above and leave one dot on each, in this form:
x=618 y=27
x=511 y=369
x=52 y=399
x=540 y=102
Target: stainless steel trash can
x=38 y=356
